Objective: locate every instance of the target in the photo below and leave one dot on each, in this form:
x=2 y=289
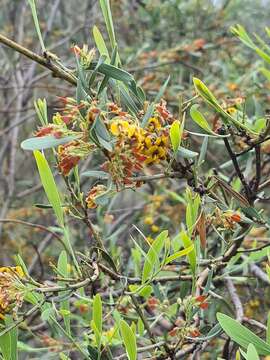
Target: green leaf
x=49 y=186
x=252 y=353
x=81 y=94
x=162 y=90
x=106 y=79
x=200 y=120
x=41 y=110
x=93 y=353
x=35 y=18
x=62 y=268
x=179 y=254
x=100 y=43
x=192 y=254
x=96 y=174
x=268 y=329
x=45 y=142
x=140 y=327
x=13 y=339
x=207 y=95
x=20 y=262
x=97 y=312
x=214 y=332
x=186 y=153
x=152 y=257
x=129 y=340
x=127 y=100
x=104 y=197
x=144 y=291
x=242 y=335
x=113 y=72
x=5 y=346
x=176 y=135
x=8 y=341
x=97 y=317
x=148 y=114
x=151 y=107
x=105 y=255
x=101 y=60
x=101 y=133
x=240 y=31
x=203 y=151
x=107 y=15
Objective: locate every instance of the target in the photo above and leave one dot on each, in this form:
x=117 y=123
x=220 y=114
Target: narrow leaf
x=242 y=335
x=45 y=142
x=179 y=254
x=100 y=43
x=49 y=186
x=175 y=135
x=152 y=257
x=129 y=340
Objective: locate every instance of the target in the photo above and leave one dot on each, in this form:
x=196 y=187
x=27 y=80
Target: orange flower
x=67 y=163
x=194 y=333
x=93 y=193
x=236 y=217
x=54 y=130
x=76 y=49
x=201 y=300
x=70 y=154
x=204 y=305
x=152 y=303
x=173 y=332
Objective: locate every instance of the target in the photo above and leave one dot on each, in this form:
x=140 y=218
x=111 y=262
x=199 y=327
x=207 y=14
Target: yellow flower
x=155 y=228
x=114 y=129
x=158 y=141
x=93 y=193
x=122 y=127
x=148 y=141
x=157 y=198
x=165 y=140
x=154 y=124
x=149 y=220
x=151 y=150
x=231 y=110
x=10 y=295
x=150 y=240
x=161 y=152
x=232 y=86
x=109 y=333
x=17 y=270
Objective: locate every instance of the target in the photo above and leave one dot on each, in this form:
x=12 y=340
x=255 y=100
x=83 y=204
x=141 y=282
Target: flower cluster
x=226 y=220
x=93 y=194
x=10 y=296
x=137 y=146
x=71 y=153
x=51 y=129
x=133 y=146
x=86 y=56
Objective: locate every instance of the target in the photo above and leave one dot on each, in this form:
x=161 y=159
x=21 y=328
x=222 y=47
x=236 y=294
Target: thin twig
x=237 y=169
x=37 y=226
x=42 y=60
x=235 y=300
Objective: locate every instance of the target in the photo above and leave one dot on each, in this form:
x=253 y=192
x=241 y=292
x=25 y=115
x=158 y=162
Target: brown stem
x=42 y=60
